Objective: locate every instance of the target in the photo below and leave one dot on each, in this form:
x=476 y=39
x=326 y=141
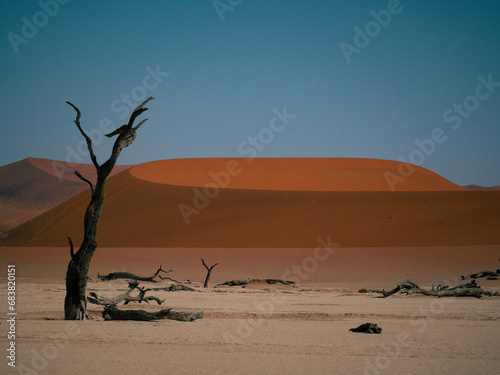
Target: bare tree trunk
x=209 y=272
x=78 y=267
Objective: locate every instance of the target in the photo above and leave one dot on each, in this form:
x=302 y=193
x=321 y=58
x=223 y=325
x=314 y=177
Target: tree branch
x=208 y=268
x=209 y=271
x=139 y=124
x=87 y=138
x=85 y=180
x=126 y=136
x=249 y=281
x=131 y=276
x=139 y=109
x=409 y=287
x=99 y=300
x=71 y=250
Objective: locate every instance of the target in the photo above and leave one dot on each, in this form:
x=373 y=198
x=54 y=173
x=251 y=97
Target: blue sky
x=219 y=71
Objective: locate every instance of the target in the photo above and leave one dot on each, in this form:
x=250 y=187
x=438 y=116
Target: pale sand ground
x=260 y=330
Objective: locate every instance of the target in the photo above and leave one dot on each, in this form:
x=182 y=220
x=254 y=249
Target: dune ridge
x=140 y=213
x=32 y=186
x=482 y=188
x=290 y=174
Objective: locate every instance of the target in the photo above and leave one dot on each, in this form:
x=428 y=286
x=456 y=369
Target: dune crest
x=289 y=174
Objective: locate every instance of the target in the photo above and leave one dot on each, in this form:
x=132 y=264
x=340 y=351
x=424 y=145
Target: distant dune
x=141 y=213
x=32 y=186
x=482 y=188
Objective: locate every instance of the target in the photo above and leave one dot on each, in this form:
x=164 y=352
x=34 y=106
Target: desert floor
x=260 y=329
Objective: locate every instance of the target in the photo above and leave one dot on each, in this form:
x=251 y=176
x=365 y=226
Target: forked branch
x=209 y=272
x=87 y=138
x=141 y=297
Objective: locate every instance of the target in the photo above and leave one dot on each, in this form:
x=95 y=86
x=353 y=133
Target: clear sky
x=358 y=79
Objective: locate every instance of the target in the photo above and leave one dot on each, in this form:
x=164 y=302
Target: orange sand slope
x=351 y=268
x=291 y=174
x=31 y=186
x=140 y=213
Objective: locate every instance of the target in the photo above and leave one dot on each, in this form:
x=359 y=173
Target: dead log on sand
x=112 y=313
x=131 y=276
x=471 y=289
x=99 y=300
x=249 y=281
x=490 y=275
x=367 y=328
x=176 y=288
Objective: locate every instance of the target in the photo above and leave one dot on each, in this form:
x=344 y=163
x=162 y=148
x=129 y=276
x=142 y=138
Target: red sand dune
x=140 y=213
x=31 y=186
x=291 y=174
x=482 y=188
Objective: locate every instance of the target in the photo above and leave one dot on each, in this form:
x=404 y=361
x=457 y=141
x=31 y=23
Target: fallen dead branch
x=367 y=328
x=471 y=289
x=490 y=275
x=131 y=276
x=99 y=300
x=176 y=288
x=249 y=281
x=111 y=312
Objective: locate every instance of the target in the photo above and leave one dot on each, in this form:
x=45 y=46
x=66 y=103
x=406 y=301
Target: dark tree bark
x=78 y=267
x=408 y=287
x=490 y=275
x=111 y=312
x=209 y=272
x=249 y=281
x=131 y=276
x=127 y=298
x=367 y=328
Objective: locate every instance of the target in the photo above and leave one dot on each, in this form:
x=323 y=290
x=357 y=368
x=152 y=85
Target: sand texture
x=262 y=329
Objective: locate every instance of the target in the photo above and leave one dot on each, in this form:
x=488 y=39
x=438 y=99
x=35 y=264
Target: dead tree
x=250 y=281
x=409 y=287
x=78 y=267
x=127 y=298
x=490 y=275
x=131 y=276
x=176 y=288
x=111 y=312
x=209 y=272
